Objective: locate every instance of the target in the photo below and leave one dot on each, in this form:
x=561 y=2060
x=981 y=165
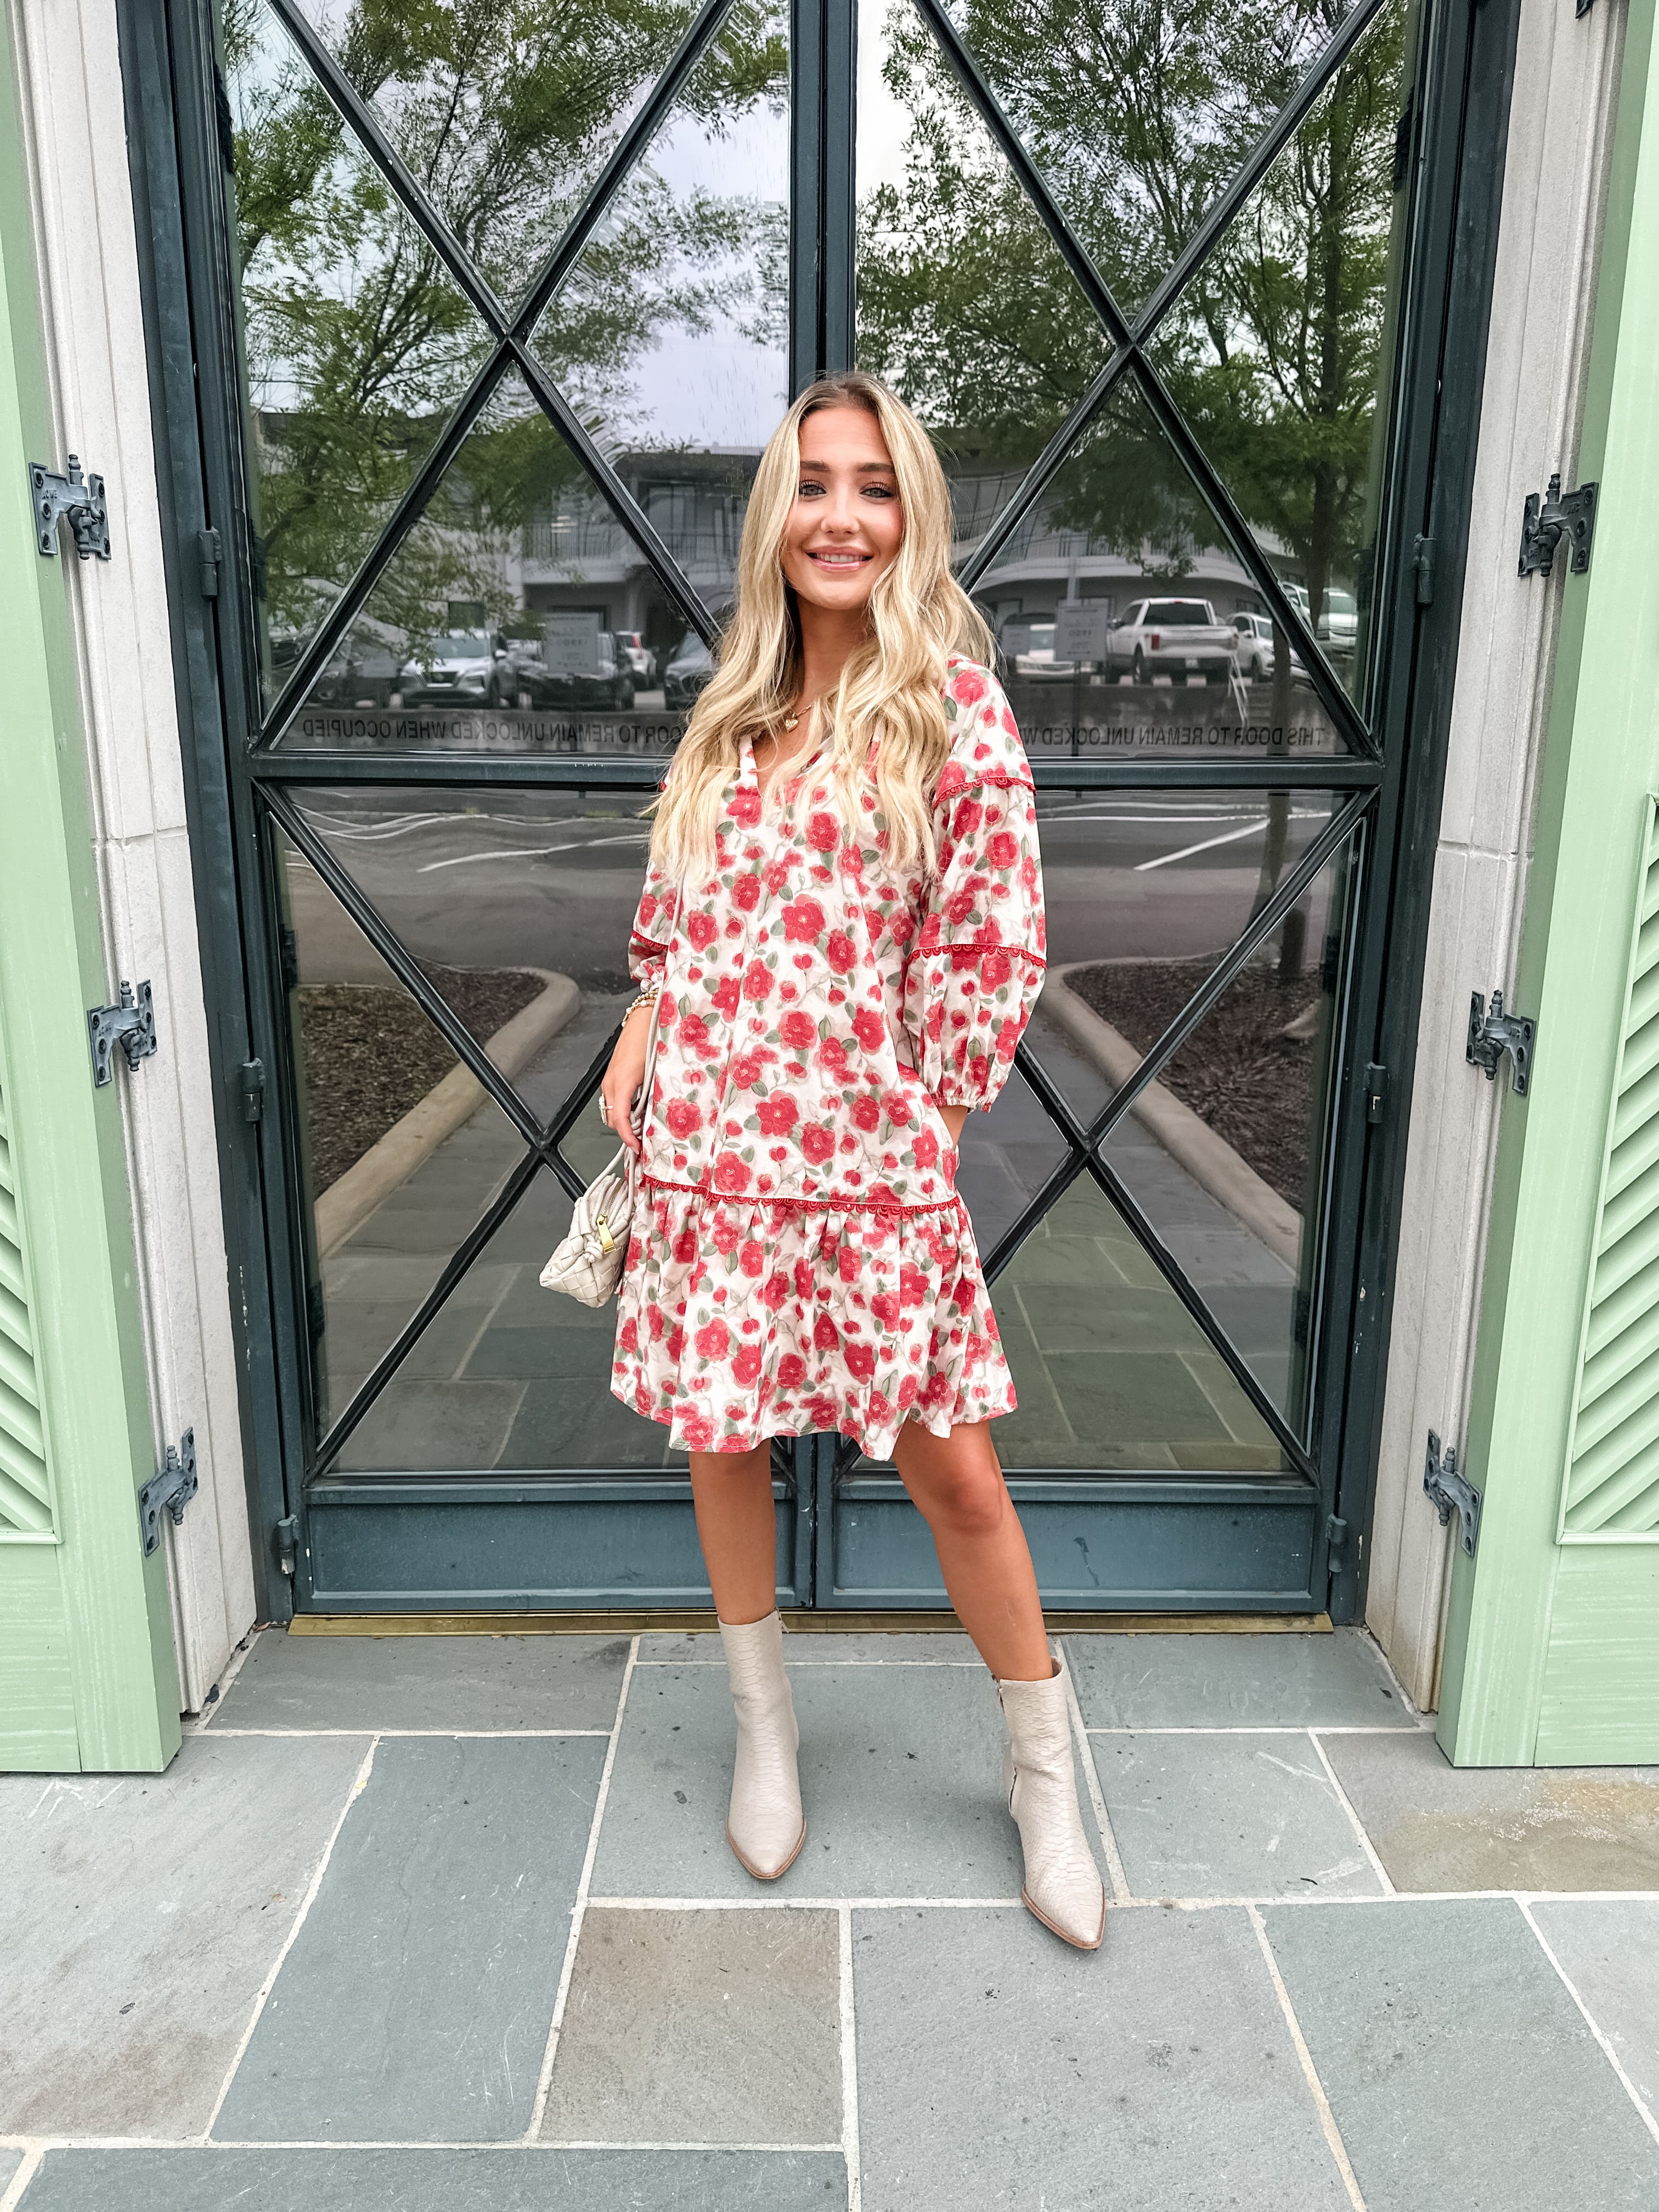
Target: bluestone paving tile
x=1228 y=1816
x=998 y=2068
x=469 y=1682
x=901 y=1779
x=9 y=2162
x=1609 y=1949
x=416 y=2002
x=708 y=2028
x=1459 y=2070
x=515 y=2180
x=1337 y=1680
x=139 y=1915
x=1438 y=1826
x=806 y=1648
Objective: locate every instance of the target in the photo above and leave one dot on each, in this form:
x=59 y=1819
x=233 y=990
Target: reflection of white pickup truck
x=1172 y=637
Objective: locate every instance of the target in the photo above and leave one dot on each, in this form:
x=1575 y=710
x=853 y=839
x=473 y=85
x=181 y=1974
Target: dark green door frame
x=179 y=140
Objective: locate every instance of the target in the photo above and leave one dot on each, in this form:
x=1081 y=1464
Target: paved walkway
x=450 y=1922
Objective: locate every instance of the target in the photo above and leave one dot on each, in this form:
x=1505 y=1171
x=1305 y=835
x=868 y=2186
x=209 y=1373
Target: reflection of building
x=578 y=555
x=1043 y=562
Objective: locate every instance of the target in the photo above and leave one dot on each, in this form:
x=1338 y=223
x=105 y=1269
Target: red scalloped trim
x=803 y=1205
x=651 y=944
x=1000 y=779
x=981 y=944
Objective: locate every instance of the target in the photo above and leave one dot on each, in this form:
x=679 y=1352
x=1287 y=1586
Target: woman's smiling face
x=847 y=521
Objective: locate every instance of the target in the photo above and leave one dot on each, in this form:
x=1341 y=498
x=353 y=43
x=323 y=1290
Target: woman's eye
x=808 y=491
x=880 y=491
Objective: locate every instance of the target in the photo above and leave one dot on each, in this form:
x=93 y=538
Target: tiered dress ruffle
x=800 y=1260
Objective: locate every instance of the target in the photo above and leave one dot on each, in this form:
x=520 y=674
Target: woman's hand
x=624 y=1076
x=953 y=1117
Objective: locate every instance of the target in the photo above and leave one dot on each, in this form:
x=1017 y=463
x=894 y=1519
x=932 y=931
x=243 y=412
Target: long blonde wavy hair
x=889 y=694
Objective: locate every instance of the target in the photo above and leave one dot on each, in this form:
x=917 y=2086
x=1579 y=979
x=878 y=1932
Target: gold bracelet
x=645 y=999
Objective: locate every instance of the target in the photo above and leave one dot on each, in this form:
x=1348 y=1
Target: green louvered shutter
x=26 y=1512
x=1611 y=1494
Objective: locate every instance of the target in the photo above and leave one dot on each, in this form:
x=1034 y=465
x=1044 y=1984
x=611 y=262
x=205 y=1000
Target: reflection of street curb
x=410 y=1142
x=1209 y=1159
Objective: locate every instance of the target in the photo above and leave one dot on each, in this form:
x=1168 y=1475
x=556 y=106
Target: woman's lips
x=839 y=560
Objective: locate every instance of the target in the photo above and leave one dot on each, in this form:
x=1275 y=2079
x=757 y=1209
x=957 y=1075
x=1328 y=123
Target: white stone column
x=75 y=127
x=1554 y=184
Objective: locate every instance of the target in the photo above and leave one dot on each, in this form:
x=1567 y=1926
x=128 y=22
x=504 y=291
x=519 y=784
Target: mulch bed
x=370 y=1053
x=1252 y=1085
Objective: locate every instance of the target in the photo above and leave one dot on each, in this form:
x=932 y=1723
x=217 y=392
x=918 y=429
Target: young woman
x=842 y=931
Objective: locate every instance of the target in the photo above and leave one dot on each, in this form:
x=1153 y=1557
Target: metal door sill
x=702 y=1623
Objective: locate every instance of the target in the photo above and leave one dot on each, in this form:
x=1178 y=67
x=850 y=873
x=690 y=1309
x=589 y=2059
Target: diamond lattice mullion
x=1131 y=339
x=627 y=152
x=1344 y=715
x=403 y=965
x=1198 y=1311
x=366 y=124
x=518 y=1182
x=623 y=503
x=1012 y=147
x=399 y=523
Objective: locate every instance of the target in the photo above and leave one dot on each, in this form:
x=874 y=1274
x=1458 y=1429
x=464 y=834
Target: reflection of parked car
x=1338 y=629
x=638 y=655
x=688 y=672
x=523 y=677
x=1172 y=637
x=1255 y=645
x=461 y=664
x=1026 y=649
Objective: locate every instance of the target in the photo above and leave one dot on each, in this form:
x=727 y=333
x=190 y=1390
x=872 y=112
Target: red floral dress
x=800 y=1259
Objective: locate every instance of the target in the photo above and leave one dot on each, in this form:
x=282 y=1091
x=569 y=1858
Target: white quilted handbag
x=587 y=1264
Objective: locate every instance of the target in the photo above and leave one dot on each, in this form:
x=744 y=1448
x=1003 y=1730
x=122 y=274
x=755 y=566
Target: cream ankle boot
x=1062 y=1883
x=764 y=1827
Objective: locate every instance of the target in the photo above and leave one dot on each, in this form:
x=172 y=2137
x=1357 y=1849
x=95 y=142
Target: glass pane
x=357 y=345
x=1111 y=1369
x=1135 y=880
x=518 y=905
x=1225 y=1152
x=455 y=650
x=1177 y=652
x=670 y=330
x=504 y=110
x=399 y=1151
x=1006 y=1157
x=509 y=1376
x=1137 y=117
x=1280 y=352
x=965 y=305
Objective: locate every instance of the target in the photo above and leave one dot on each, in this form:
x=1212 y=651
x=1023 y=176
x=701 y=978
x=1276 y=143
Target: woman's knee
x=965 y=1502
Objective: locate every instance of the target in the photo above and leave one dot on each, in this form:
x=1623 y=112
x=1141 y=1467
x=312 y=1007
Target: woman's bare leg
x=957 y=1484
x=736 y=1527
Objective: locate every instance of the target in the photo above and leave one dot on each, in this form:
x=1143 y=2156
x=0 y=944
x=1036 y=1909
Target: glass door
x=498 y=306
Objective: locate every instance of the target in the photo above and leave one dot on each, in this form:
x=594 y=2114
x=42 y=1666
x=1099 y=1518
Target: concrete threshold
x=702 y=1622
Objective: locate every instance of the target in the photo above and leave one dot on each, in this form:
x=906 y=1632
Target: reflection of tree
x=358 y=343
x=1137 y=112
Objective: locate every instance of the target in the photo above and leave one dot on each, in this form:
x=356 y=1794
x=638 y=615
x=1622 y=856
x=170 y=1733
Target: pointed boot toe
x=1063 y=1887
x=764 y=1826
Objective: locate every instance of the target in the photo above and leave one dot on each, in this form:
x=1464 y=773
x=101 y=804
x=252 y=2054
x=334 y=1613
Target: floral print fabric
x=800 y=1259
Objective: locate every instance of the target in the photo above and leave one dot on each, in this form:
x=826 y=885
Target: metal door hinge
x=286 y=1533
x=1561 y=514
x=1495 y=1033
x=253 y=1090
x=131 y=1023
x=1376 y=1091
x=1423 y=566
x=72 y=498
x=1336 y=1542
x=170 y=1490
x=1450 y=1492
x=209 y=554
